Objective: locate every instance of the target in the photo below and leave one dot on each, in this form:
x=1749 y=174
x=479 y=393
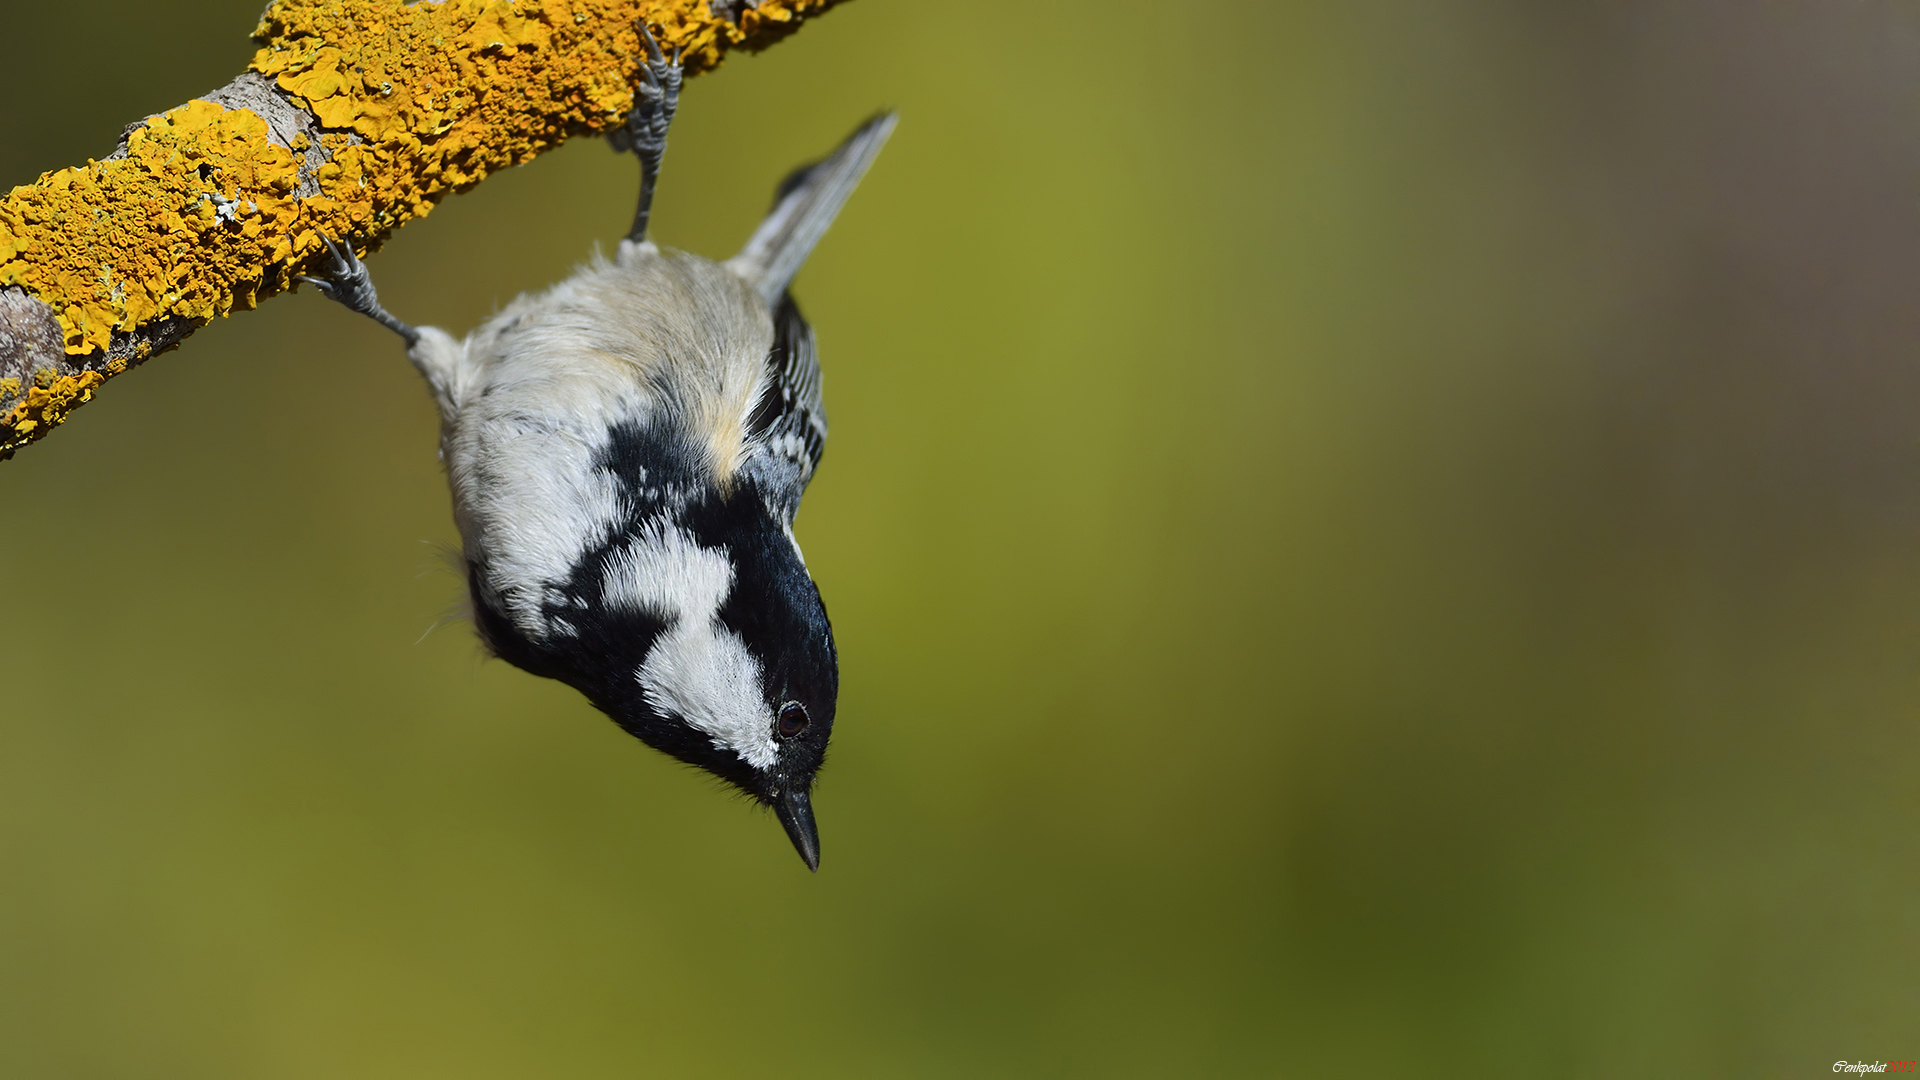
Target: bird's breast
x=585 y=404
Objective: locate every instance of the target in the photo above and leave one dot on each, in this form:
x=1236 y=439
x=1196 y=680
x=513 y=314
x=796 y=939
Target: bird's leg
x=645 y=132
x=350 y=285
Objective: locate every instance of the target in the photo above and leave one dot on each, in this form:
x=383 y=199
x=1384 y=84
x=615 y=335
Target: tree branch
x=354 y=117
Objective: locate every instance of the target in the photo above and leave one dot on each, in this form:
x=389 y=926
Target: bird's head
x=700 y=632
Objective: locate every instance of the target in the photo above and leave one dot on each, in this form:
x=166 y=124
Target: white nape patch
x=697 y=669
x=664 y=572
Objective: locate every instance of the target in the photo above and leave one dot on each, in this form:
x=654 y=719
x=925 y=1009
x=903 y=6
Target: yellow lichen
x=45 y=406
x=182 y=225
x=203 y=215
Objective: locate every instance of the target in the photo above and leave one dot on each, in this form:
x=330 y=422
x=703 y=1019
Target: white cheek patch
x=697 y=669
x=704 y=675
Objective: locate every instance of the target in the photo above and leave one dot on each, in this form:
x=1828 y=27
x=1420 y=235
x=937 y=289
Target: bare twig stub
x=354 y=117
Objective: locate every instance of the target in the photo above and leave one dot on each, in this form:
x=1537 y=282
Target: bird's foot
x=349 y=284
x=654 y=102
x=645 y=132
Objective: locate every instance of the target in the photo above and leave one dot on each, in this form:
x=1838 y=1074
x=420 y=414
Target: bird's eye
x=793 y=720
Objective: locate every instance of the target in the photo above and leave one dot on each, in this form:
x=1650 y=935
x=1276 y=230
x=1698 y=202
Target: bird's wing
x=788 y=427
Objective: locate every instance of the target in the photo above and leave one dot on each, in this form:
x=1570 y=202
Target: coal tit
x=627 y=451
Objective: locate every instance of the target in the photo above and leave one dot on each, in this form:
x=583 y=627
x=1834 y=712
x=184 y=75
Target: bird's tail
x=803 y=206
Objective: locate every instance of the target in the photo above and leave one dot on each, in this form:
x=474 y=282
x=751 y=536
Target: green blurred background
x=1362 y=536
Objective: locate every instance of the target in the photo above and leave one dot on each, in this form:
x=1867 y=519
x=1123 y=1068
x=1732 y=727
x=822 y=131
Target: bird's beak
x=796 y=813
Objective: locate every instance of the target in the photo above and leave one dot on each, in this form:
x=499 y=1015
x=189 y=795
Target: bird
x=626 y=452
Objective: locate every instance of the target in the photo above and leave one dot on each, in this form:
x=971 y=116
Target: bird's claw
x=349 y=282
x=654 y=99
x=657 y=62
x=351 y=286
